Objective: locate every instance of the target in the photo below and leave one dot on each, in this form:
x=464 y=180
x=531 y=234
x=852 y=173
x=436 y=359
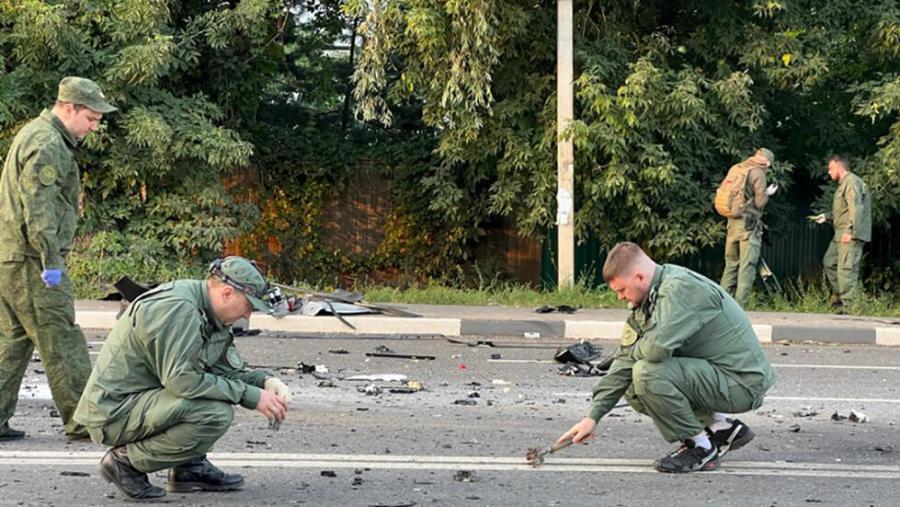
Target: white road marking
x=771 y=398
x=499 y=463
x=837 y=366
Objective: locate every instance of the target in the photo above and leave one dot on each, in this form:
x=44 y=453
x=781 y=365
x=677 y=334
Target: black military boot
x=200 y=474
x=7 y=434
x=116 y=468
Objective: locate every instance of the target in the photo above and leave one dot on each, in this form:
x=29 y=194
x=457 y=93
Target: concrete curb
x=566 y=329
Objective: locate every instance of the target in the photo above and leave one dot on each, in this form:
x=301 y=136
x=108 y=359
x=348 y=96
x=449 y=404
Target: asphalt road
x=344 y=447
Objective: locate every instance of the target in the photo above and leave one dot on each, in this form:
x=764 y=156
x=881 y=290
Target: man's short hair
x=840 y=159
x=620 y=258
x=78 y=107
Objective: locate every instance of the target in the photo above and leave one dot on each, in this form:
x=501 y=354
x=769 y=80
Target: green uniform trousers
x=680 y=394
x=841 y=262
x=163 y=430
x=741 y=257
x=32 y=315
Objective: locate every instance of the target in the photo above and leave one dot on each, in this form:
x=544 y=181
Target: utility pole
x=565 y=152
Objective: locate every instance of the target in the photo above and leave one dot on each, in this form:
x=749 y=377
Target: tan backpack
x=731 y=196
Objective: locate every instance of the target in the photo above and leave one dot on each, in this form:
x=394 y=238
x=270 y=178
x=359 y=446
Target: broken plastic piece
x=858 y=417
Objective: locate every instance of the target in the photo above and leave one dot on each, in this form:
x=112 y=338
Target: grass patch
x=799 y=297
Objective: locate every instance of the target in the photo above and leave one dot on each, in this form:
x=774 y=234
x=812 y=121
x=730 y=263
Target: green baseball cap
x=79 y=90
x=244 y=276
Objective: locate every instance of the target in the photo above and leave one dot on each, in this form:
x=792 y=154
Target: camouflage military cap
x=79 y=90
x=243 y=275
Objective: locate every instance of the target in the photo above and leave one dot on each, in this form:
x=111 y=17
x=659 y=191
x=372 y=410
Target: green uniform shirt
x=685 y=315
x=852 y=209
x=39 y=194
x=168 y=339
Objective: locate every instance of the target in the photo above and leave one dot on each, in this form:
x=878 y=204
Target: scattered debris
x=411 y=504
x=371 y=390
x=39 y=371
x=578 y=359
x=531 y=335
x=500 y=382
x=465 y=402
x=412 y=386
x=496 y=356
x=338 y=351
x=805 y=412
x=561 y=309
x=858 y=417
x=326 y=383
x=473 y=394
x=357 y=481
x=383 y=349
x=399 y=356
x=53 y=413
x=378 y=377
x=582 y=352
x=464 y=476
x=328 y=473
x=795 y=428
x=853 y=416
x=74 y=474
x=257 y=442
x=311 y=368
x=239 y=331
x=884 y=449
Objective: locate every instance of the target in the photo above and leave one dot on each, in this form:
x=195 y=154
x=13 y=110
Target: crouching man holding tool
x=688 y=353
x=162 y=391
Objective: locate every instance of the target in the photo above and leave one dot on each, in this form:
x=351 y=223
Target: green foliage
x=186 y=77
x=668 y=96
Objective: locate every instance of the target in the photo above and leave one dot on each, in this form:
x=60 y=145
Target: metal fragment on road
x=465 y=476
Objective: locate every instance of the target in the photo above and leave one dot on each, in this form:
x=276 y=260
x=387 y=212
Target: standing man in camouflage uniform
x=687 y=354
x=852 y=219
x=744 y=237
x=162 y=391
x=38 y=216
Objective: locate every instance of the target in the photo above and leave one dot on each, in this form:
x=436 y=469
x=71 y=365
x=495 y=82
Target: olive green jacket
x=39 y=193
x=685 y=315
x=169 y=338
x=852 y=209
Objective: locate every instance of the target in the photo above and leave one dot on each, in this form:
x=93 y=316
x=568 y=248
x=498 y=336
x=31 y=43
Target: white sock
x=702 y=440
x=720 y=422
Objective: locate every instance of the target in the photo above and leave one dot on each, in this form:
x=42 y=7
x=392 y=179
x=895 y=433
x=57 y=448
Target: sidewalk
x=501 y=320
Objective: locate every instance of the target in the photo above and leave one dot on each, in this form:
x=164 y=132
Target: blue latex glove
x=51 y=277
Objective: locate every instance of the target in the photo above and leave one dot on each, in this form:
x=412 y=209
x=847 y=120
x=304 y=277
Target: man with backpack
x=740 y=198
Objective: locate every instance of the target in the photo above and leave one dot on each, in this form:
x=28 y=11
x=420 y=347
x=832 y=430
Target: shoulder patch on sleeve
x=629 y=336
x=47 y=175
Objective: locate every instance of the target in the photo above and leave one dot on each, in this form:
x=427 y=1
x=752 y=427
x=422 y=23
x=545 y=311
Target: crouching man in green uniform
x=38 y=217
x=162 y=390
x=688 y=355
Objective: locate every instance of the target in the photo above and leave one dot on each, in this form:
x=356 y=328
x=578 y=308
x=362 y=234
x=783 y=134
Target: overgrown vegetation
x=238 y=122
